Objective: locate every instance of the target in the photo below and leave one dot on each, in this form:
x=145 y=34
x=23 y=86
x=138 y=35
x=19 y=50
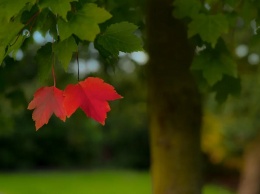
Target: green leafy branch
x=70 y=24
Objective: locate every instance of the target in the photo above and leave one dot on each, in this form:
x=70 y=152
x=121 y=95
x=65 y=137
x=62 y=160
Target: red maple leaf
x=91 y=95
x=46 y=101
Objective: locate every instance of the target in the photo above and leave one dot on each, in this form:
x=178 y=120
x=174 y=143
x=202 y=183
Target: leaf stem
x=32 y=18
x=52 y=68
x=16 y=39
x=77 y=57
x=53 y=71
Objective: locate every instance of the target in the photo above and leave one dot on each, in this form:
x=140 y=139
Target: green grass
x=105 y=182
x=96 y=182
x=214 y=189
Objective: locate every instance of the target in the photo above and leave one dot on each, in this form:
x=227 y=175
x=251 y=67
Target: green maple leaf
x=8 y=37
x=109 y=57
x=209 y=27
x=46 y=21
x=249 y=11
x=64 y=49
x=84 y=23
x=13 y=49
x=44 y=61
x=214 y=66
x=186 y=8
x=60 y=7
x=231 y=3
x=120 y=37
x=64 y=29
x=10 y=9
x=11 y=37
x=227 y=86
x=2 y=54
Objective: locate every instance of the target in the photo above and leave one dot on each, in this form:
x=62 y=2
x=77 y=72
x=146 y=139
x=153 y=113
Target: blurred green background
x=81 y=156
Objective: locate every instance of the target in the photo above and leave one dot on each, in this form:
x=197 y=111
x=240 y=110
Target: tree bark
x=250 y=178
x=174 y=104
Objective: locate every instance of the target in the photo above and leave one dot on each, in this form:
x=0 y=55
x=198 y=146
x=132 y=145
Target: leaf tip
x=38 y=125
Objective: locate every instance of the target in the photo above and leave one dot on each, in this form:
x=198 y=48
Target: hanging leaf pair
x=91 y=95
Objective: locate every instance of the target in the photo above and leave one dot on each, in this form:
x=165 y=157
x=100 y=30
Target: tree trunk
x=174 y=104
x=250 y=178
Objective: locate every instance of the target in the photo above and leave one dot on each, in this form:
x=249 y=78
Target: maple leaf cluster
x=91 y=95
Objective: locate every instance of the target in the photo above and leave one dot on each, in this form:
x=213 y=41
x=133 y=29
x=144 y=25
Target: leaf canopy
x=84 y=23
x=208 y=27
x=186 y=8
x=120 y=37
x=213 y=67
x=60 y=7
